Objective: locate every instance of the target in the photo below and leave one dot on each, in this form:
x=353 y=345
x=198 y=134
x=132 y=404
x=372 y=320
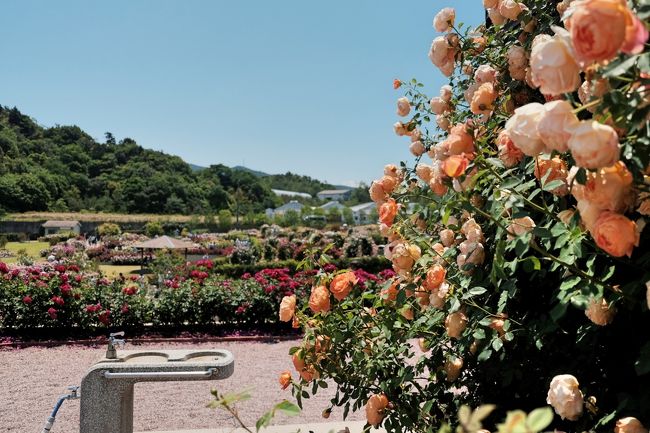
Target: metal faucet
x=111 y=352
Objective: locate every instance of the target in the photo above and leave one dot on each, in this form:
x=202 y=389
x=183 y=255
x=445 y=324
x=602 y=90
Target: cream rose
x=553 y=68
x=417 y=148
x=594 y=145
x=522 y=129
x=287 y=308
x=565 y=396
x=485 y=74
x=599 y=312
x=455 y=324
x=495 y=16
x=438 y=105
x=556 y=124
x=510 y=9
x=400 y=129
x=520 y=226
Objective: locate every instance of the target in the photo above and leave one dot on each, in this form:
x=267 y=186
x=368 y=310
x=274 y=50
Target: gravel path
x=33 y=378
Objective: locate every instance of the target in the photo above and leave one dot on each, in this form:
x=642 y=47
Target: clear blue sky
x=283 y=85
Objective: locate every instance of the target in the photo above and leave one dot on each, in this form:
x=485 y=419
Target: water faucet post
x=111 y=350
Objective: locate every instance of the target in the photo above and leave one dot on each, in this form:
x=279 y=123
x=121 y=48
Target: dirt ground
x=33 y=378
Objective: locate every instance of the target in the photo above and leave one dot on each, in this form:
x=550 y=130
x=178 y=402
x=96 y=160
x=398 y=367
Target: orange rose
x=609 y=188
x=459 y=140
x=397 y=84
x=287 y=308
x=389 y=294
x=615 y=234
x=435 y=276
x=598 y=28
x=483 y=99
x=629 y=425
x=520 y=226
x=387 y=212
x=594 y=145
x=552 y=169
x=306 y=373
x=455 y=165
x=509 y=154
x=453 y=367
x=377 y=193
x=376 y=408
x=600 y=312
x=319 y=300
x=342 y=284
x=285 y=379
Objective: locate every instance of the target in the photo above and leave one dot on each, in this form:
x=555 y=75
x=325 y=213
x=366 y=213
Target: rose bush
x=517 y=235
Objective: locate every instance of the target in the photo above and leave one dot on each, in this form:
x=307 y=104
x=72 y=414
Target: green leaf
x=263 y=421
x=287 y=408
x=570 y=282
x=622 y=68
x=539 y=419
x=550 y=186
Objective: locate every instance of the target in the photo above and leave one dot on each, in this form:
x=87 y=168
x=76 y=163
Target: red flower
x=130 y=290
x=104 y=317
x=59 y=268
x=134 y=278
x=125 y=308
x=52 y=312
x=396 y=84
x=58 y=300
x=77 y=278
x=93 y=308
x=66 y=289
x=27 y=299
x=4 y=268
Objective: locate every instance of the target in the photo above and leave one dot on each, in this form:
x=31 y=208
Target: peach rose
x=443 y=122
x=387 y=184
x=446 y=92
x=609 y=188
x=517 y=62
x=509 y=154
x=455 y=324
x=453 y=367
x=285 y=379
x=594 y=145
x=615 y=234
x=438 y=105
x=455 y=165
x=400 y=129
x=404 y=256
x=403 y=107
x=377 y=193
x=510 y=9
x=319 y=300
x=435 y=277
x=629 y=425
x=565 y=396
x=636 y=36
x=342 y=284
x=588 y=214
x=556 y=125
x=599 y=312
x=416 y=135
x=522 y=129
x=417 y=148
x=598 y=28
x=387 y=212
x=443 y=55
x=306 y=373
x=520 y=226
x=438 y=296
x=485 y=74
x=566 y=215
x=472 y=231
x=393 y=171
x=424 y=172
x=444 y=20
x=287 y=308
x=495 y=16
x=553 y=68
x=389 y=294
x=459 y=140
x=376 y=409
x=483 y=99
x=550 y=169
x=437 y=186
x=447 y=237
x=487 y=4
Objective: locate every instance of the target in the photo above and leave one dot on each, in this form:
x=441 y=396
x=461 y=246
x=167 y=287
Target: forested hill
x=64 y=169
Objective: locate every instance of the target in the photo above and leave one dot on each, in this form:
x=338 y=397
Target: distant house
x=283 y=193
x=292 y=205
x=334 y=194
x=51 y=227
x=332 y=205
x=362 y=213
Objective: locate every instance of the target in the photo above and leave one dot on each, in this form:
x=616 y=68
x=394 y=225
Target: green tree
x=225 y=220
x=153 y=228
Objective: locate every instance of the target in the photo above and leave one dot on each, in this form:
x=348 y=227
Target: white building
x=51 y=227
x=284 y=193
x=332 y=205
x=334 y=194
x=362 y=213
x=292 y=205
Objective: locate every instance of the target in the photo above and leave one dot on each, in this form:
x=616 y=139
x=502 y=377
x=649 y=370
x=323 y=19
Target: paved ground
x=33 y=378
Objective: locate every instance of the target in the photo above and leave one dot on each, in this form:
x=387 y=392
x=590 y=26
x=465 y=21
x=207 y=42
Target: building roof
x=164 y=242
x=60 y=224
x=332 y=204
x=282 y=192
x=334 y=191
x=362 y=207
x=293 y=204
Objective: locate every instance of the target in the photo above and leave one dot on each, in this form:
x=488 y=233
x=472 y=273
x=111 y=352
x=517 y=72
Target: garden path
x=34 y=377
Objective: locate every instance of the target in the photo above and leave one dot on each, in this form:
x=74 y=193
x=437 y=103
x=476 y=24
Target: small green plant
x=109 y=229
x=153 y=228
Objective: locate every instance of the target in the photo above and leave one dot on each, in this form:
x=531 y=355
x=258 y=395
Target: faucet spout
x=111 y=350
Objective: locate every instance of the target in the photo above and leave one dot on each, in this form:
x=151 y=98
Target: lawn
x=112 y=271
x=33 y=249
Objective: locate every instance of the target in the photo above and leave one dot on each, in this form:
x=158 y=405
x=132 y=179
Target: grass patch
x=112 y=271
x=33 y=249
x=94 y=217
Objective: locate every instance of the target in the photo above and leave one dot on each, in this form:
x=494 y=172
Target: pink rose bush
x=517 y=235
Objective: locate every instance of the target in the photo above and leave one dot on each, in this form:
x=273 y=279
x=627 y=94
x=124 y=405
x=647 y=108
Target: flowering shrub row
x=517 y=235
x=65 y=298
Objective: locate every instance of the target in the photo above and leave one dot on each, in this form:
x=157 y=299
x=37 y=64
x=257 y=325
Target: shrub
x=153 y=229
x=109 y=229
